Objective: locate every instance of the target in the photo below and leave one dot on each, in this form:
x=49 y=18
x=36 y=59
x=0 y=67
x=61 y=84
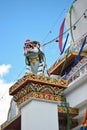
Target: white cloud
x=4 y=93
x=4 y=69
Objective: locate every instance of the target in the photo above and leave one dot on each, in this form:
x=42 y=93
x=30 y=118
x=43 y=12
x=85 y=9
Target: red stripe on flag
x=61 y=35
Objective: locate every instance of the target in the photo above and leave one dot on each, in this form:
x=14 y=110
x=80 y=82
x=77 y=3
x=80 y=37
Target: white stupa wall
x=39 y=115
x=77 y=91
x=76 y=95
x=79 y=7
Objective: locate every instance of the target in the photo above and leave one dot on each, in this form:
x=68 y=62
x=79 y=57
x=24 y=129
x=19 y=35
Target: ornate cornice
x=40 y=96
x=43 y=80
x=35 y=87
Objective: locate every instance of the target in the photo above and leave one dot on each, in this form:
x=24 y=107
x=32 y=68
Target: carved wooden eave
x=43 y=80
x=32 y=86
x=56 y=68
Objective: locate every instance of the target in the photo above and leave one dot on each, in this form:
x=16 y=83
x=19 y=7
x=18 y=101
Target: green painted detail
x=32 y=86
x=60 y=91
x=66 y=105
x=48 y=78
x=71 y=23
x=68 y=116
x=23 y=91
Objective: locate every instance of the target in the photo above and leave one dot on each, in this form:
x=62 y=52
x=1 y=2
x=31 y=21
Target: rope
x=61 y=13
x=65 y=31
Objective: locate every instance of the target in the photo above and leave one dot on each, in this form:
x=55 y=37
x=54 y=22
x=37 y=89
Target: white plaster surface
x=39 y=115
x=76 y=95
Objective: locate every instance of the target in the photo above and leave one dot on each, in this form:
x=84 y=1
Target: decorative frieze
x=40 y=96
x=43 y=80
x=35 y=87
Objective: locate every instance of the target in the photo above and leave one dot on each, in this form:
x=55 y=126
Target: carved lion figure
x=34 y=58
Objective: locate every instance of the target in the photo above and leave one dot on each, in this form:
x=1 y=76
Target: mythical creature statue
x=34 y=58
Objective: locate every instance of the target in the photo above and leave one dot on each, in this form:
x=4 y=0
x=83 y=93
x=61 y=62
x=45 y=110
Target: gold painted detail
x=73 y=111
x=38 y=79
x=60 y=62
x=33 y=60
x=32 y=87
x=40 y=96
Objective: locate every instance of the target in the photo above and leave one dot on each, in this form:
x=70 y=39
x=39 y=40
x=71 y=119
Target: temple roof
x=57 y=66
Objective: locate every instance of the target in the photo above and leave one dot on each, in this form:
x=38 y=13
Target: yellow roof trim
x=57 y=64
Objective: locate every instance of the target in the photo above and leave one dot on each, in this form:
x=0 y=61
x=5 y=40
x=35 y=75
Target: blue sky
x=27 y=19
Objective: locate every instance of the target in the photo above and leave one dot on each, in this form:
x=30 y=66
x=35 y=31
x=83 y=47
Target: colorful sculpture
x=34 y=58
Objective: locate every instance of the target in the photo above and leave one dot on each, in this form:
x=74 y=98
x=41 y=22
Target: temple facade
x=41 y=103
x=45 y=102
x=53 y=99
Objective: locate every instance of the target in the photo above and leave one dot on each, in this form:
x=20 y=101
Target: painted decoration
x=34 y=58
x=77 y=67
x=76 y=20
